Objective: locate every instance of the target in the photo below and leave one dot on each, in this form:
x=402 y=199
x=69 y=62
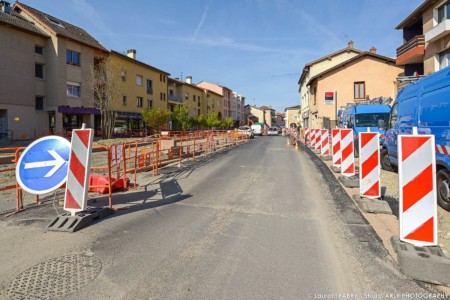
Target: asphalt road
x=257 y=222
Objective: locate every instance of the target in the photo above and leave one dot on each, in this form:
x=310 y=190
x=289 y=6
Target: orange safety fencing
x=110 y=165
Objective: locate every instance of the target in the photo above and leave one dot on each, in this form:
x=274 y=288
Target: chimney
x=373 y=50
x=350 y=44
x=189 y=79
x=131 y=53
x=5 y=7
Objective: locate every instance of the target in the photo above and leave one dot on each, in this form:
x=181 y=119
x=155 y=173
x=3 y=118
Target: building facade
x=365 y=76
x=292 y=116
x=426 y=39
x=318 y=66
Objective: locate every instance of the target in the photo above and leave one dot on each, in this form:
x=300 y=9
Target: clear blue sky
x=255 y=47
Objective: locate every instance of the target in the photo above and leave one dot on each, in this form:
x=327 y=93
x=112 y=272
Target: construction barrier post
x=336 y=146
x=369 y=165
x=348 y=157
x=318 y=138
x=312 y=142
x=325 y=143
x=417 y=173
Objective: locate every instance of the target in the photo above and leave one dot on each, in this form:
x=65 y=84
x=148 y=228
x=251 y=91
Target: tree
x=155 y=118
x=181 y=117
x=200 y=121
x=106 y=83
x=228 y=122
x=212 y=120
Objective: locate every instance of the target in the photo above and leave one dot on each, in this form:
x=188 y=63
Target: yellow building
x=213 y=103
x=143 y=86
x=186 y=94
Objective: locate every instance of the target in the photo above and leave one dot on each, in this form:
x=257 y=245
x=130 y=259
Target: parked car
x=257 y=129
x=272 y=131
x=424 y=104
x=246 y=130
x=362 y=117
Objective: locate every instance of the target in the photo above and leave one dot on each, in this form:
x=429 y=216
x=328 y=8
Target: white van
x=257 y=129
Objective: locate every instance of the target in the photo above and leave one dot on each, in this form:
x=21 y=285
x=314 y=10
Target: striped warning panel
x=78 y=176
x=369 y=165
x=417 y=171
x=318 y=145
x=313 y=138
x=336 y=146
x=348 y=157
x=325 y=143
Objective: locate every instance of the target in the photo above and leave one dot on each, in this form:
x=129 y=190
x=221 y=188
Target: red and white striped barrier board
x=369 y=165
x=417 y=172
x=306 y=135
x=336 y=146
x=313 y=138
x=325 y=141
x=78 y=176
x=348 y=157
x=443 y=149
x=318 y=138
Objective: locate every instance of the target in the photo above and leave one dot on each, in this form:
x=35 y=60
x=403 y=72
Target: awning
x=66 y=109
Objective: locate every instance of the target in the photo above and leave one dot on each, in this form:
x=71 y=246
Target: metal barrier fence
x=111 y=165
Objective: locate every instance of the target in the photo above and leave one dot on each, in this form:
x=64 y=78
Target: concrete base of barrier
x=335 y=169
x=316 y=151
x=428 y=264
x=375 y=206
x=350 y=182
x=69 y=223
x=325 y=158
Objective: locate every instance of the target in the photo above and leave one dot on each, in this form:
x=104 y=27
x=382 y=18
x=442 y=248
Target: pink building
x=222 y=90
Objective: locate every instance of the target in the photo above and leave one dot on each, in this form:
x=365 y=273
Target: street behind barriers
x=257 y=221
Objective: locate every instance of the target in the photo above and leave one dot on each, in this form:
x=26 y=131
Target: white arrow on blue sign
x=43 y=166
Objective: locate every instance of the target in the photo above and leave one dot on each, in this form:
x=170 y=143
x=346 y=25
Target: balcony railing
x=418 y=40
x=175 y=98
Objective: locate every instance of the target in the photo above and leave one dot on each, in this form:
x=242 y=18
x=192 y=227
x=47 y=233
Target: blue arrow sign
x=43 y=166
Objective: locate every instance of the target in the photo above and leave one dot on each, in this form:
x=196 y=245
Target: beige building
x=426 y=39
x=367 y=75
x=70 y=52
x=292 y=116
x=318 y=66
x=186 y=94
x=143 y=86
x=263 y=114
x=23 y=76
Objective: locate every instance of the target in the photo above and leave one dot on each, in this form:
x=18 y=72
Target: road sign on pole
x=78 y=178
x=42 y=167
x=417 y=172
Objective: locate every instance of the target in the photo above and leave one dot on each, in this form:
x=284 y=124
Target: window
x=72 y=57
x=139 y=101
x=162 y=96
x=149 y=86
x=193 y=98
x=186 y=96
x=314 y=93
x=124 y=100
x=139 y=80
x=162 y=78
x=442 y=13
x=149 y=103
x=170 y=92
x=39 y=103
x=394 y=113
x=360 y=90
x=123 y=74
x=39 y=50
x=39 y=71
x=73 y=89
x=444 y=60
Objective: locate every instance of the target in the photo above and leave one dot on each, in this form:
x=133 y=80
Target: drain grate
x=55 y=278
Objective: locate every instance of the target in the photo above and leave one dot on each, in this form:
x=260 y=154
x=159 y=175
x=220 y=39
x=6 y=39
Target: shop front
x=129 y=122
x=73 y=117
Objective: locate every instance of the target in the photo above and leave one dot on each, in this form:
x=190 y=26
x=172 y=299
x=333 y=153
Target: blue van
x=363 y=116
x=424 y=104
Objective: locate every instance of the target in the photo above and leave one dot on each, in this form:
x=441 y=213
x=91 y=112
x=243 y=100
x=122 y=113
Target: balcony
x=412 y=51
x=440 y=30
x=174 y=98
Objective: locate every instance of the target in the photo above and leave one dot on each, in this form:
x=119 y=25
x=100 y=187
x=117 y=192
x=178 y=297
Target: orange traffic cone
x=288 y=142
x=296 y=146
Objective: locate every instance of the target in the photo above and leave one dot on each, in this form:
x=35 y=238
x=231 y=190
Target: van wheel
x=443 y=189
x=385 y=163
